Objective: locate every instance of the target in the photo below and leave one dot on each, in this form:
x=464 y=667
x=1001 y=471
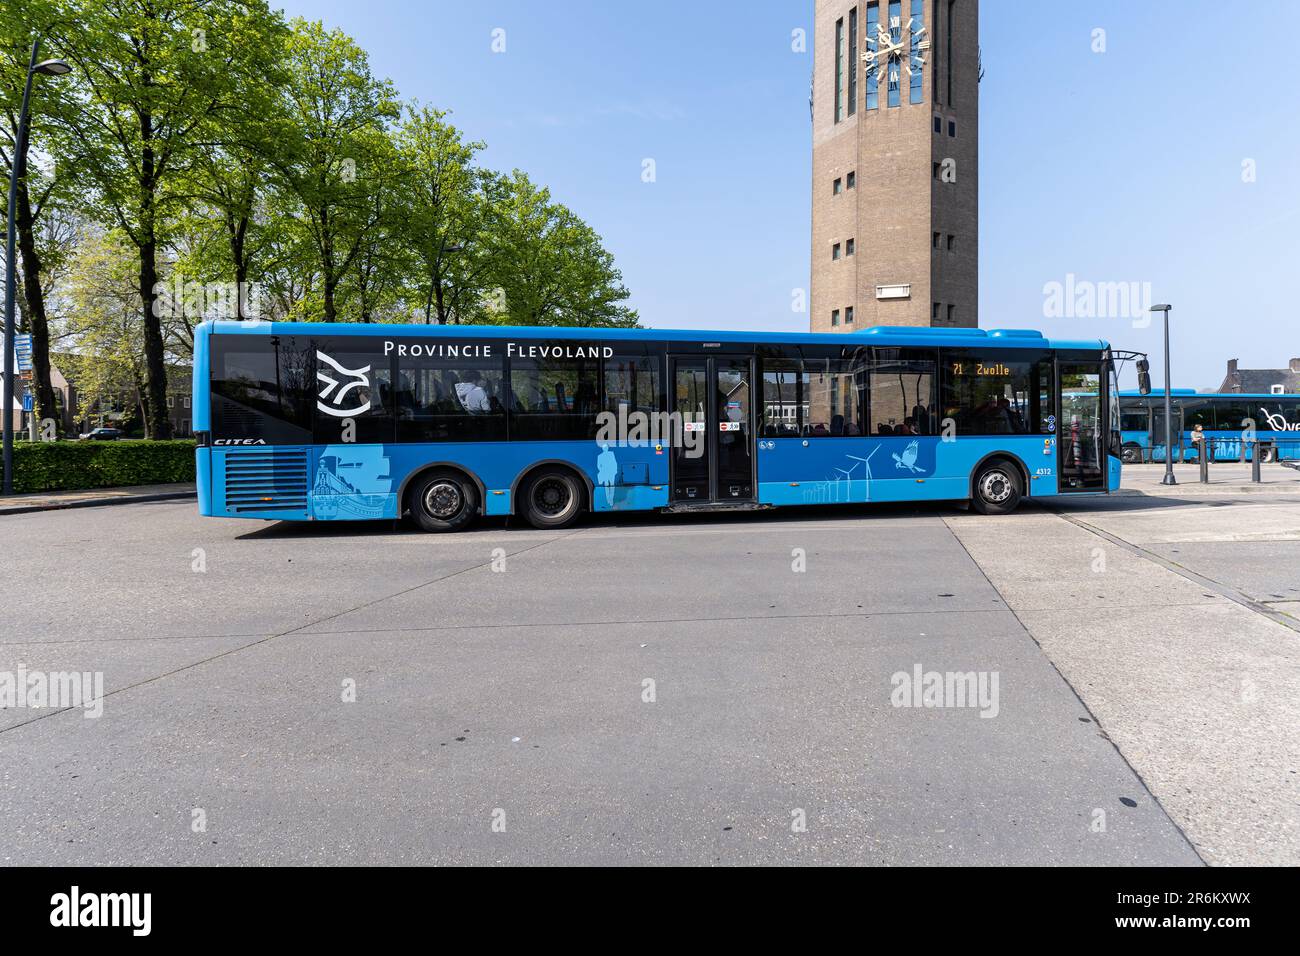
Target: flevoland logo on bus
x=332 y=399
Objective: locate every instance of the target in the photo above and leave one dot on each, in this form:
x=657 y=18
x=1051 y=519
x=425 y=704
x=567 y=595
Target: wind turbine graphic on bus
x=866 y=463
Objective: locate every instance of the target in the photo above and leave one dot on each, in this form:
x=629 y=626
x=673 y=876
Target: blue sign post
x=23 y=352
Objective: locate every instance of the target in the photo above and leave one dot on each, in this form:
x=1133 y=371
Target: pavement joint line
x=270 y=637
x=1096 y=721
x=520 y=625
x=1223 y=590
x=683 y=620
x=127 y=640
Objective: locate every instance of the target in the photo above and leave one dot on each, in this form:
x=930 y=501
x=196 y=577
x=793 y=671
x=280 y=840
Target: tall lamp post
x=17 y=169
x=1169 y=478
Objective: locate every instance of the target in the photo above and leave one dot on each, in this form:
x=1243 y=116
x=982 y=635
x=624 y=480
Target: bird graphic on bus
x=907 y=460
x=336 y=407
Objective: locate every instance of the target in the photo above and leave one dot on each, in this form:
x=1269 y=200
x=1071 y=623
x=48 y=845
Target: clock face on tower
x=888 y=53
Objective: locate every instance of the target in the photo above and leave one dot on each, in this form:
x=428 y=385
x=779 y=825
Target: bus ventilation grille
x=272 y=480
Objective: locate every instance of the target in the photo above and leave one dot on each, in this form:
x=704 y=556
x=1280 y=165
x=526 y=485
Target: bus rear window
x=263 y=387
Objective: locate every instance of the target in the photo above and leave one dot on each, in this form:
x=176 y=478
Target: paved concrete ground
x=501 y=676
x=1225 y=478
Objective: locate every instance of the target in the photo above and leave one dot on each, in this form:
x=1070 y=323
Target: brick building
x=1262 y=381
x=895 y=171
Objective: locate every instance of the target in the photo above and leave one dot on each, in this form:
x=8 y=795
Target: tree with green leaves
x=44 y=187
x=549 y=266
x=440 y=213
x=337 y=157
x=159 y=79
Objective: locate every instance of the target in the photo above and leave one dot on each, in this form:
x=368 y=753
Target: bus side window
x=785 y=392
x=451 y=399
x=900 y=394
x=632 y=381
x=830 y=399
x=553 y=399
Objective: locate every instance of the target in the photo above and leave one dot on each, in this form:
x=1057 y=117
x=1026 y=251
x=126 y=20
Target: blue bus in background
x=1228 y=419
x=308 y=421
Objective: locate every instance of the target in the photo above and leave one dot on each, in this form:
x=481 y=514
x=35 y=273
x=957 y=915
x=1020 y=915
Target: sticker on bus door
x=729 y=426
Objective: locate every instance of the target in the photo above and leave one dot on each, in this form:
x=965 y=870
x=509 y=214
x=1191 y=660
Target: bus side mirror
x=1144 y=377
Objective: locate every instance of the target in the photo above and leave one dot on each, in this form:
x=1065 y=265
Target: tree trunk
x=156 y=423
x=328 y=279
x=34 y=295
x=442 y=304
x=237 y=242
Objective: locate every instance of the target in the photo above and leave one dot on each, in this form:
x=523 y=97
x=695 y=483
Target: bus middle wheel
x=553 y=499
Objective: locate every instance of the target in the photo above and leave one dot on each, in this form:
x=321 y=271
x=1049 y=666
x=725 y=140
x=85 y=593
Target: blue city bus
x=307 y=421
x=1228 y=419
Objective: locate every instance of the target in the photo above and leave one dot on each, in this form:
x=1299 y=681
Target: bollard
x=1254 y=462
x=1203 y=459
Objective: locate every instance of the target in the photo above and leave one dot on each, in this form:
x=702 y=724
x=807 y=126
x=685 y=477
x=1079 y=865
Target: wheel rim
x=995 y=487
x=551 y=496
x=444 y=500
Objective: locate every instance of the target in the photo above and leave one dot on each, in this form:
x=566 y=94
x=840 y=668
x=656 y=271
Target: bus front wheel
x=997 y=489
x=1132 y=453
x=553 y=499
x=444 y=501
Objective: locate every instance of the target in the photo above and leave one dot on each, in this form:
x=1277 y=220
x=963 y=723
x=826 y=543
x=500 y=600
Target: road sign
x=23 y=352
x=27 y=402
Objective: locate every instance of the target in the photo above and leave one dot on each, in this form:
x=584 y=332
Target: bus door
x=1158 y=429
x=713 y=455
x=1082 y=429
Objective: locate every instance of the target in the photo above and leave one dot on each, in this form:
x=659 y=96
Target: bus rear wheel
x=997 y=489
x=444 y=501
x=1132 y=453
x=553 y=499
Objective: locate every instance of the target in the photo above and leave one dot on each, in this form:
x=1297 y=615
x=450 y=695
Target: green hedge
x=72 y=465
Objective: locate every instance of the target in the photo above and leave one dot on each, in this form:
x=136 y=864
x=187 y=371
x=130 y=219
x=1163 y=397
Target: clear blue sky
x=1117 y=166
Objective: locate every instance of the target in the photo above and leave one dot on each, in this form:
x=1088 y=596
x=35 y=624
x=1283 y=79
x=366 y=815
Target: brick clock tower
x=895 y=164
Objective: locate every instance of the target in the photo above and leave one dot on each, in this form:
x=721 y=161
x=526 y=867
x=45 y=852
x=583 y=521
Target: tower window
x=952 y=312
x=952 y=127
x=851 y=180
x=952 y=242
x=934 y=312
x=835 y=251
x=873 y=78
x=915 y=92
x=853 y=61
x=934 y=241
x=848 y=247
x=938 y=124
x=835 y=317
x=948 y=55
x=839 y=69
x=848 y=316
x=837 y=187
x=894 y=66
x=936 y=170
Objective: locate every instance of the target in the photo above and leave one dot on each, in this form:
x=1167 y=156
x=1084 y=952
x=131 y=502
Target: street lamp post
x=1168 y=478
x=17 y=168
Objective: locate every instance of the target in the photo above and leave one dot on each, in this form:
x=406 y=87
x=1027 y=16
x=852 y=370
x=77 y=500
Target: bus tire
x=997 y=488
x=552 y=499
x=1268 y=454
x=1132 y=453
x=443 y=500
